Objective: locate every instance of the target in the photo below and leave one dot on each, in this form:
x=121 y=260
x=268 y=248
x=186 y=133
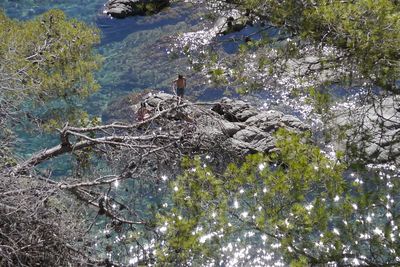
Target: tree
x=98 y=213
x=314 y=209
x=351 y=42
x=296 y=203
x=308 y=47
x=47 y=60
x=37 y=227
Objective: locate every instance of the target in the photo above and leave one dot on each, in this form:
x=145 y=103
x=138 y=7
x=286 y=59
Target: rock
x=234 y=110
x=249 y=134
x=253 y=139
x=229 y=128
x=125 y=8
x=232 y=125
x=124 y=109
x=160 y=100
x=234 y=23
x=372 y=131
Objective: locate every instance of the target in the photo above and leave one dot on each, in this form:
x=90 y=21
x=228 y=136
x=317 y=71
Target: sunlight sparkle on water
x=378 y=232
x=163 y=228
x=261 y=166
x=336 y=231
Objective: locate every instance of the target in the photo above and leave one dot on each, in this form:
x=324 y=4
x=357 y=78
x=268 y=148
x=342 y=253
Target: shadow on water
x=115 y=30
x=232 y=41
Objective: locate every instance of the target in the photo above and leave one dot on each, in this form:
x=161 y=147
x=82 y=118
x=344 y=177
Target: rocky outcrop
x=233 y=125
x=372 y=131
x=125 y=8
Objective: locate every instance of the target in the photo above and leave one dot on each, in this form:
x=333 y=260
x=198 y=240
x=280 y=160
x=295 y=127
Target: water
x=135 y=50
x=85 y=10
x=131 y=47
x=138 y=55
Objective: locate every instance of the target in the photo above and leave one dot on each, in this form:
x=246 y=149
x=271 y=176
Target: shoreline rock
x=233 y=125
x=124 y=8
x=372 y=131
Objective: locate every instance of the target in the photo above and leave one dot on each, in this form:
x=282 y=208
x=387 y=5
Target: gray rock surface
x=234 y=125
x=125 y=8
x=373 y=130
x=235 y=21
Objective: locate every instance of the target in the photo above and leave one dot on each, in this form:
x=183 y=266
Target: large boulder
x=125 y=8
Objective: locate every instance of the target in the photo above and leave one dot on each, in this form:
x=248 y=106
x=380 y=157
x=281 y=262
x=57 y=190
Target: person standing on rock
x=142 y=113
x=180 y=85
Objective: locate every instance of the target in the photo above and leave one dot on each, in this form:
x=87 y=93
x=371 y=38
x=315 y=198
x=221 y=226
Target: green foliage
x=350 y=43
x=296 y=197
x=51 y=58
x=367 y=30
x=364 y=32
x=320 y=100
x=217 y=75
